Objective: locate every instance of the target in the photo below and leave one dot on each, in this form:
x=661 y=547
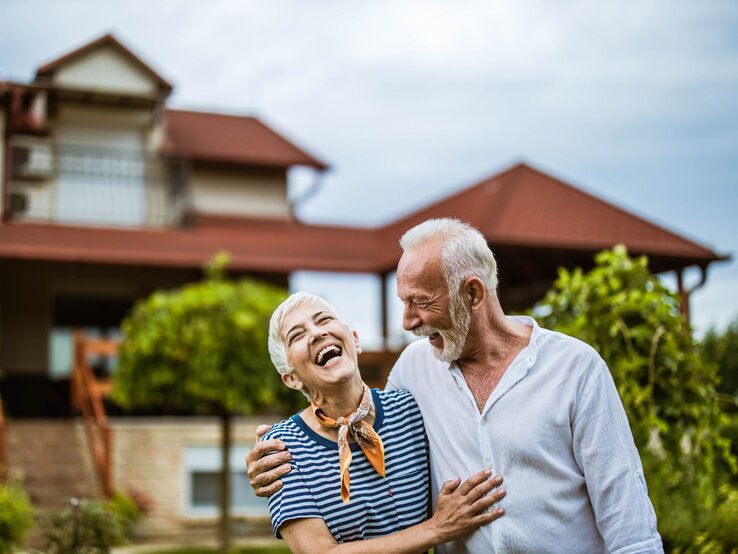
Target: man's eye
x=325 y=318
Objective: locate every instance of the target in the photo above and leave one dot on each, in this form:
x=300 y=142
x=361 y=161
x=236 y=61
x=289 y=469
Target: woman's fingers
x=450 y=486
x=488 y=501
x=473 y=481
x=482 y=489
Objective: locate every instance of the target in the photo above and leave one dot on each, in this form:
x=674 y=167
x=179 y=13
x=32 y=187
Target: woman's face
x=321 y=349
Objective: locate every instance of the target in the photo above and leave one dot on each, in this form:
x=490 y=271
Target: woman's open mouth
x=328 y=353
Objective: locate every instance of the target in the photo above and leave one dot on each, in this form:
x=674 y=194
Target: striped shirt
x=378 y=507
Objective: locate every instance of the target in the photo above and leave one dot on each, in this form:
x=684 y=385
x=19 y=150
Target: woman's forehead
x=302 y=313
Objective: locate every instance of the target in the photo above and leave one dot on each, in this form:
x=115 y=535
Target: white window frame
x=208 y=458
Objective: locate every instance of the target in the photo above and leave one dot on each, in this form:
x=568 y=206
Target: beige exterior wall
x=149 y=457
x=105 y=69
x=239 y=192
x=102 y=127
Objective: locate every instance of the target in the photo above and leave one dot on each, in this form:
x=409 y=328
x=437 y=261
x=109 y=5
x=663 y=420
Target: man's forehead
x=419 y=271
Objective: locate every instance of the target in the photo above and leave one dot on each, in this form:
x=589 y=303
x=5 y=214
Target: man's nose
x=410 y=320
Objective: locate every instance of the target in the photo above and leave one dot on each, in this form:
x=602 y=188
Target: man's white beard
x=453 y=338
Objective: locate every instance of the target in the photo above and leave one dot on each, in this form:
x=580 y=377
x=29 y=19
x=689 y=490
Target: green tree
x=722 y=349
x=203 y=349
x=667 y=389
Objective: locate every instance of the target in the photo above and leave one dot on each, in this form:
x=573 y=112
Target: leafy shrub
x=127 y=510
x=667 y=387
x=85 y=527
x=16 y=516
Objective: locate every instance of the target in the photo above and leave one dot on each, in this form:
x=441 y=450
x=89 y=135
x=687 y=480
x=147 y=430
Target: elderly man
x=499 y=392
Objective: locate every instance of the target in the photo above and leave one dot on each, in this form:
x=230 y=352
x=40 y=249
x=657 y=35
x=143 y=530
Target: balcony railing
x=67 y=183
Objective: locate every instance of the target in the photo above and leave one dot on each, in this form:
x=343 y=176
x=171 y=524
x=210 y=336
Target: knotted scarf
x=363 y=434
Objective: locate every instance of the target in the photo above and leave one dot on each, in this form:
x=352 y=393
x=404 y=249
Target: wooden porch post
x=383 y=310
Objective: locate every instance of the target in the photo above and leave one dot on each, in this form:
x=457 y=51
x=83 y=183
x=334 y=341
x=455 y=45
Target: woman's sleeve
x=294 y=500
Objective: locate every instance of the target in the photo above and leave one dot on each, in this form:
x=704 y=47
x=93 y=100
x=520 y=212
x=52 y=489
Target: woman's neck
x=334 y=405
x=342 y=401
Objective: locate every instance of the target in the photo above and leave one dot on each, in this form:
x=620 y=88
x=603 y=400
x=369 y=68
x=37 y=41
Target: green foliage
x=16 y=516
x=126 y=510
x=722 y=349
x=668 y=390
x=85 y=527
x=202 y=349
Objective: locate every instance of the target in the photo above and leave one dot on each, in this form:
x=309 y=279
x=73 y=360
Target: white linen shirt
x=555 y=429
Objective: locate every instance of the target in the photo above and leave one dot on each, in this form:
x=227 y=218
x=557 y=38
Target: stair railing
x=87 y=397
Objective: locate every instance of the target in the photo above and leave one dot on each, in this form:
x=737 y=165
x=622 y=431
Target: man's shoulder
x=557 y=341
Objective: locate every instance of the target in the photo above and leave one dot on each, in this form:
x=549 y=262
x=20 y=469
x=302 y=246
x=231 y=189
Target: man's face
x=321 y=349
x=429 y=308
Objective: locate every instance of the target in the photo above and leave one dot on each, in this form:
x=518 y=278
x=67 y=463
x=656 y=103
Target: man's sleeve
x=606 y=454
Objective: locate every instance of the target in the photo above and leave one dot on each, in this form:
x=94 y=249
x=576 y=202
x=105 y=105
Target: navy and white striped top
x=378 y=507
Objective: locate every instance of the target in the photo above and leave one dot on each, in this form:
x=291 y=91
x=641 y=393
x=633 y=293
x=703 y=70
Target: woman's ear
x=356 y=342
x=292 y=381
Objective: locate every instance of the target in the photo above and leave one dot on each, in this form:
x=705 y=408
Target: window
x=201 y=488
x=61 y=351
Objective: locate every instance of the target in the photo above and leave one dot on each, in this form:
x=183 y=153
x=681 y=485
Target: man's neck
x=492 y=345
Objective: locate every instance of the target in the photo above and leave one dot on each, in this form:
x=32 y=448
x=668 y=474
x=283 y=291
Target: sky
x=410 y=101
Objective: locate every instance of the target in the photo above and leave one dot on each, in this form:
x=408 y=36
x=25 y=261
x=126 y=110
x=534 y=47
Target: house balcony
x=53 y=182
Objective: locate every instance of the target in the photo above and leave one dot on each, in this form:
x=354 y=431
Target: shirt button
x=484 y=420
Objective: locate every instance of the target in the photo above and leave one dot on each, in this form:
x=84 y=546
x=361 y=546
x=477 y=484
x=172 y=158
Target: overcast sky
x=409 y=101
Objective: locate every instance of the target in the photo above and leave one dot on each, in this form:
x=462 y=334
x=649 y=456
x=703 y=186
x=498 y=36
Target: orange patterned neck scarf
x=363 y=434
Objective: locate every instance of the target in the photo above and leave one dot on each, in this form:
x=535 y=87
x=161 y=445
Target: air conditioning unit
x=32 y=161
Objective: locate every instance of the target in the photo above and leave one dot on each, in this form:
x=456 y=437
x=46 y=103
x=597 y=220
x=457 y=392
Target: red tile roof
x=524 y=206
x=518 y=208
x=231 y=139
x=47 y=70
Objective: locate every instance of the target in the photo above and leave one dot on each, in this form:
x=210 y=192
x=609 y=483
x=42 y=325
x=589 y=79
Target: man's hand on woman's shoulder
x=266 y=462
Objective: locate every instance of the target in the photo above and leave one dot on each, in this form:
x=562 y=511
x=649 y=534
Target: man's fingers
x=268 y=477
x=473 y=481
x=266 y=464
x=261 y=449
x=450 y=486
x=269 y=490
x=261 y=429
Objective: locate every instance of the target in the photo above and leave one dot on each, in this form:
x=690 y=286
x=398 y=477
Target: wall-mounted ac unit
x=32 y=161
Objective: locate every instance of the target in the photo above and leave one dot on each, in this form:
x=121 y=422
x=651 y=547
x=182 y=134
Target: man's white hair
x=277 y=346
x=464 y=251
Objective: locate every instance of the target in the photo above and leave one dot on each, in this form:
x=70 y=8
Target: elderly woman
x=359 y=456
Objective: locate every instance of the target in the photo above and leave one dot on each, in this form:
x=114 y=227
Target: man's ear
x=474 y=291
x=356 y=342
x=292 y=381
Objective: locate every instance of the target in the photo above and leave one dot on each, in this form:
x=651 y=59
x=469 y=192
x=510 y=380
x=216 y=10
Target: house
x=108 y=195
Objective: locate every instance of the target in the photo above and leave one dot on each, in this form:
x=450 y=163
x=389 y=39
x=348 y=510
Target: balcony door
x=101 y=173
